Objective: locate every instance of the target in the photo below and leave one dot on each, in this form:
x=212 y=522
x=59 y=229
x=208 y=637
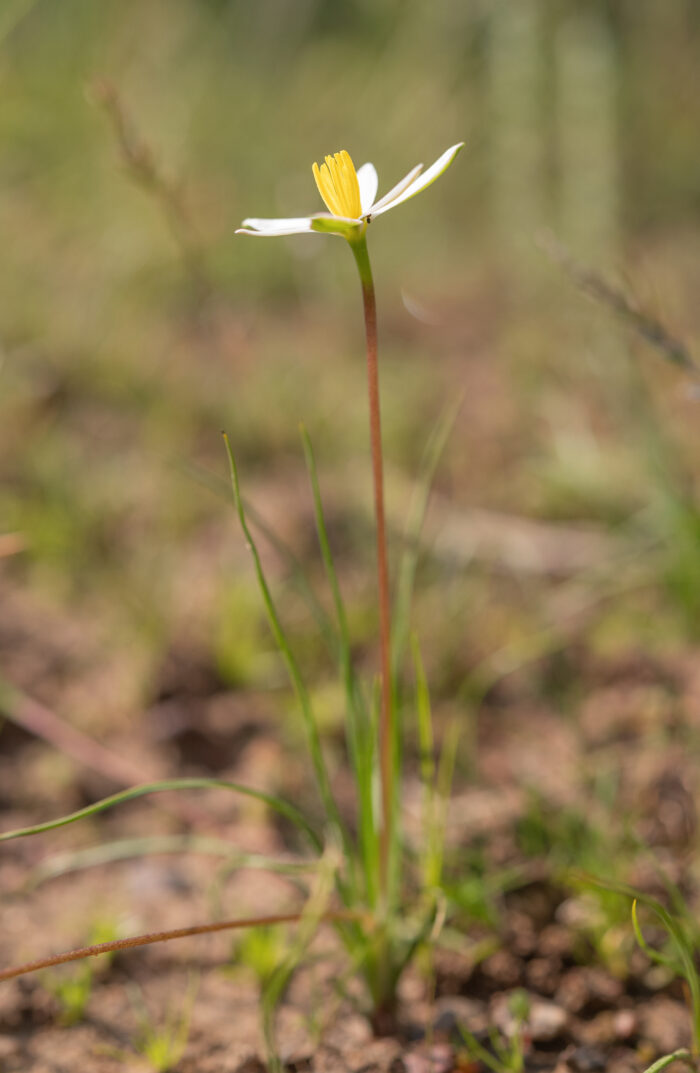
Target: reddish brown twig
x=11 y=544
x=164 y=936
x=44 y=723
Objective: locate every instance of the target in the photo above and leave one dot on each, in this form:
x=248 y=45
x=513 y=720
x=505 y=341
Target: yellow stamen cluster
x=338 y=186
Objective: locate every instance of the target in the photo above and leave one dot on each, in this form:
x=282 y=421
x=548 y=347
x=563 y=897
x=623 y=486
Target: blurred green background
x=135 y=325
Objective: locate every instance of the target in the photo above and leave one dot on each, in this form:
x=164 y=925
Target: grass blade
x=681 y=1055
x=435 y=778
x=676 y=932
x=125 y=849
x=308 y=923
x=219 y=487
x=414 y=526
x=277 y=804
x=426 y=745
x=359 y=733
x=652 y=954
x=310 y=725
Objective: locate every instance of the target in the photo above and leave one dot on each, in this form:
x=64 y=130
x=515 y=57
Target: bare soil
x=595 y=1004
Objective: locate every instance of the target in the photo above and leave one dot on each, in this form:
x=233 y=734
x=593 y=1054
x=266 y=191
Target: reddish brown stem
x=164 y=936
x=386 y=724
x=42 y=721
x=11 y=544
x=36 y=718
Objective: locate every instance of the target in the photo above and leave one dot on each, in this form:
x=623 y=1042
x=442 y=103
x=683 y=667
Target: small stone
x=436 y=1059
x=543 y=974
x=503 y=968
x=379 y=1054
x=599 y=1030
x=588 y=1060
x=625 y=1024
x=546 y=1022
x=664 y=1023
x=587 y=988
x=252 y=1064
x=555 y=941
x=454 y=1011
x=8 y=1046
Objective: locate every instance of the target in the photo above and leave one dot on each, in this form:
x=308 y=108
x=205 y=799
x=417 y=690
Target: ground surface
x=556 y=604
x=557 y=597
x=624 y=770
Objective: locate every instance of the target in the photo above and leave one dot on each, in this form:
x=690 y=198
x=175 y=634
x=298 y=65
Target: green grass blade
x=358 y=724
x=426 y=745
x=327 y=556
x=414 y=526
x=436 y=779
x=681 y=1055
x=677 y=934
x=310 y=920
x=478 y=1051
x=652 y=954
x=298 y=576
x=445 y=775
x=310 y=725
x=125 y=849
x=220 y=487
x=277 y=804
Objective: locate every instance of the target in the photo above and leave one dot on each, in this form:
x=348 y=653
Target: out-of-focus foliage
x=132 y=331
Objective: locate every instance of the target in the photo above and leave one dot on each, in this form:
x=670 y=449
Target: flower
x=350 y=197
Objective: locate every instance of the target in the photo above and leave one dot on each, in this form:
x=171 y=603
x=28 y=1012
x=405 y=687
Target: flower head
x=350 y=196
x=338 y=185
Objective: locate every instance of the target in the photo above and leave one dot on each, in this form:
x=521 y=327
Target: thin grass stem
x=278 y=804
x=414 y=526
x=358 y=724
x=387 y=731
x=303 y=699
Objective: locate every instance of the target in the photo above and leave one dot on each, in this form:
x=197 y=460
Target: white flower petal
x=293 y=225
x=434 y=172
x=398 y=189
x=369 y=181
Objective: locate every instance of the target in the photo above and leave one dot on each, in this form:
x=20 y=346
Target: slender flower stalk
x=378 y=945
x=386 y=723
x=351 y=199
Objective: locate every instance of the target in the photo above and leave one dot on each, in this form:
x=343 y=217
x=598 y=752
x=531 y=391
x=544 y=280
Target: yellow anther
x=338 y=186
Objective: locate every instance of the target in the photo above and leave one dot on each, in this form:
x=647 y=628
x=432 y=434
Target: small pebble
x=436 y=1059
x=625 y=1024
x=8 y=1046
x=451 y=1012
x=588 y=1060
x=547 y=1021
x=543 y=974
x=503 y=968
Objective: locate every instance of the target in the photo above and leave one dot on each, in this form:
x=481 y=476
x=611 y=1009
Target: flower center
x=338 y=186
